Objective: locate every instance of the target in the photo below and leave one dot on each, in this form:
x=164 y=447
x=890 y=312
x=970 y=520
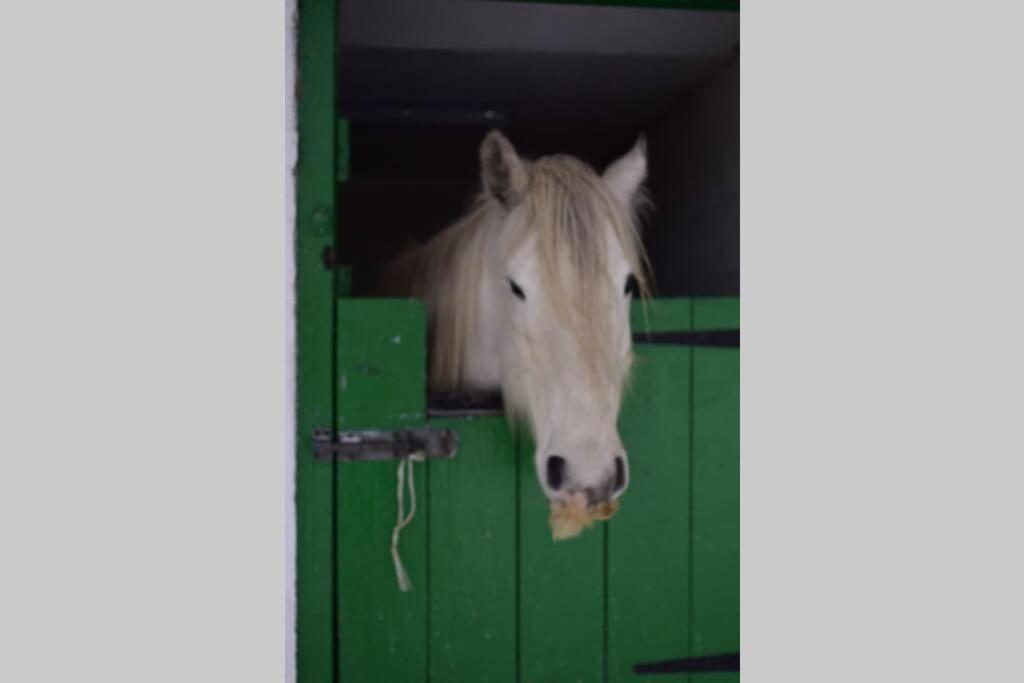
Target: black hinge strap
x=729 y=339
x=706 y=664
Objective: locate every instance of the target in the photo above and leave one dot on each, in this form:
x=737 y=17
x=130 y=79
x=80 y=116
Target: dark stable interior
x=422 y=81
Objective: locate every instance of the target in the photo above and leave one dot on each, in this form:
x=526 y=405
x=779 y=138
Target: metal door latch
x=372 y=444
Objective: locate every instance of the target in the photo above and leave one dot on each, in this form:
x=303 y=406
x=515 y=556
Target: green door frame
x=316 y=619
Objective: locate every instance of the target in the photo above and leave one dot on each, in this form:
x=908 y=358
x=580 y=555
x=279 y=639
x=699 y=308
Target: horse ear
x=624 y=176
x=504 y=173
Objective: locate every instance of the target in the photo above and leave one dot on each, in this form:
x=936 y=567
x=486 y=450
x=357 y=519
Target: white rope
x=403 y=521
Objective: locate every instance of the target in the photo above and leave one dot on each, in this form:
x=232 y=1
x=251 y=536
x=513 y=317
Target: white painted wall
x=291 y=154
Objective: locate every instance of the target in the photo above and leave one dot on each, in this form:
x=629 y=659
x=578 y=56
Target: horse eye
x=516 y=290
x=632 y=286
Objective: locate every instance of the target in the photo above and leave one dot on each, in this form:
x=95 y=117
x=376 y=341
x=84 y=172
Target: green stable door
x=494 y=598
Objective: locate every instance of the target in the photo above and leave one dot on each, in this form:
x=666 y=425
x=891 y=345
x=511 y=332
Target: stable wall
x=408 y=182
x=694 y=233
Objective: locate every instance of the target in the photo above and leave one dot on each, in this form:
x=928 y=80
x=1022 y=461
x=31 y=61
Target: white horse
x=530 y=293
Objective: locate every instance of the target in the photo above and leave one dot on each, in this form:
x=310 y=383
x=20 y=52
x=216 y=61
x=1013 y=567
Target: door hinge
x=728 y=339
x=373 y=444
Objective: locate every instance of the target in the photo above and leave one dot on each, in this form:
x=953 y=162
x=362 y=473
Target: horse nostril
x=620 y=474
x=555 y=471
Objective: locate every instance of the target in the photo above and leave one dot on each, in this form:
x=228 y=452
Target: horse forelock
x=567 y=206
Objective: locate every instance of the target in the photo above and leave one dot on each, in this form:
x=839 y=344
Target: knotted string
x=403 y=520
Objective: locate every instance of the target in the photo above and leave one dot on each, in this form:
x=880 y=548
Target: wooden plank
x=381 y=363
x=382 y=380
x=716 y=489
x=716 y=313
x=561 y=613
x=472 y=555
x=661 y=315
x=314 y=483
x=648 y=540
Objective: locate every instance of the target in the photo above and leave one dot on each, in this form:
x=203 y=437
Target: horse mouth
x=570 y=517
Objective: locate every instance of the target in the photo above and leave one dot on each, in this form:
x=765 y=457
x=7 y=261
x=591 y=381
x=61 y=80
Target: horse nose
x=611 y=487
x=555 y=472
x=620 y=475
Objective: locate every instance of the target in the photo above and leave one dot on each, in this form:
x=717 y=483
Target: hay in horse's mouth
x=569 y=517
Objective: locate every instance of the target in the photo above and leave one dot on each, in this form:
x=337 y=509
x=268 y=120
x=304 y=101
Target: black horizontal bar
x=463 y=404
x=728 y=339
x=694 y=665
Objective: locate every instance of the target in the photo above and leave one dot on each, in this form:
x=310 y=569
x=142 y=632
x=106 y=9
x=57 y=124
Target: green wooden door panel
x=382 y=632
x=472 y=555
x=314 y=315
x=661 y=315
x=494 y=597
x=561 y=591
x=649 y=538
x=382 y=363
x=716 y=314
x=716 y=489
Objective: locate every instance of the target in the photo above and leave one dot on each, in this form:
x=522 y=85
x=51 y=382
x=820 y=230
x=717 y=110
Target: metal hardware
x=373 y=444
x=728 y=339
x=327 y=257
x=729 y=661
x=465 y=404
